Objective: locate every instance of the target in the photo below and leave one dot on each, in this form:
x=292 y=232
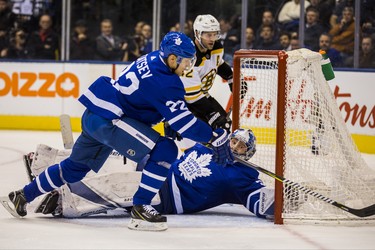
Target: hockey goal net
x=300 y=135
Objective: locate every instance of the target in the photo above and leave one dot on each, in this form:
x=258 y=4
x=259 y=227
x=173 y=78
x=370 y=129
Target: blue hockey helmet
x=246 y=136
x=178 y=44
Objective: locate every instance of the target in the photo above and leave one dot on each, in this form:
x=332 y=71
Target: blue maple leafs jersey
x=148 y=91
x=197 y=183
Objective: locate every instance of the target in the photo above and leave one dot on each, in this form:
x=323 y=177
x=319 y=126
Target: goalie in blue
x=195 y=183
x=119 y=115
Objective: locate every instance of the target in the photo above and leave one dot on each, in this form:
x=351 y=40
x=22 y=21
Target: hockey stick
x=363 y=212
x=66 y=131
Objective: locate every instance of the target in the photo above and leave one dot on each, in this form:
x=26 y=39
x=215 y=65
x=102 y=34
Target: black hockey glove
x=169 y=132
x=219 y=142
x=219 y=120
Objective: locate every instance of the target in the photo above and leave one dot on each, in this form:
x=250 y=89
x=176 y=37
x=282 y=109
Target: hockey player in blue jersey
x=119 y=115
x=195 y=183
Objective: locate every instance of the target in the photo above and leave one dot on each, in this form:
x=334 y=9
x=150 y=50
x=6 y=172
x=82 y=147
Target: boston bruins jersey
x=199 y=80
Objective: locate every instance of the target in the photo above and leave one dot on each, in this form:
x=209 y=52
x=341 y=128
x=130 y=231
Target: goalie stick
x=363 y=212
x=66 y=131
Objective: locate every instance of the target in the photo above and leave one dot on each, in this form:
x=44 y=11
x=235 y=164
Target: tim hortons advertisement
x=351 y=92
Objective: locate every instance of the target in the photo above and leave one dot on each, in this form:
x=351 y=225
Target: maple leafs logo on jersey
x=194 y=166
x=178 y=41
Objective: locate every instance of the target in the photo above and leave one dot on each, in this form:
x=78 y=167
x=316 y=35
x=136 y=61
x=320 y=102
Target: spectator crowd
x=329 y=26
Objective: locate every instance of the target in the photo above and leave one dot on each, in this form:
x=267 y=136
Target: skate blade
x=4 y=200
x=141 y=225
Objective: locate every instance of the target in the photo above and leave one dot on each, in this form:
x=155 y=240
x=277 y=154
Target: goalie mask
x=180 y=45
x=206 y=23
x=243 y=143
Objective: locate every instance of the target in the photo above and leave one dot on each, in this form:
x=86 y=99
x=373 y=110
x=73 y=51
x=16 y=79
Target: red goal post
x=281 y=57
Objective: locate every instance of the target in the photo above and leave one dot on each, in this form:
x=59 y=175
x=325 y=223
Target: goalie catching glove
x=220 y=147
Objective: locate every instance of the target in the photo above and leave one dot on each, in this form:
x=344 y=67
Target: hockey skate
x=146 y=218
x=17 y=198
x=51 y=204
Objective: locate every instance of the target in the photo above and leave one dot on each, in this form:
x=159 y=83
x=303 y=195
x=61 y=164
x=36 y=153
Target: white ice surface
x=225 y=227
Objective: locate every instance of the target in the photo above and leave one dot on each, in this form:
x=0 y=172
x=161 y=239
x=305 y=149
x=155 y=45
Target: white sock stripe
x=61 y=175
x=177 y=196
x=151 y=189
x=164 y=164
x=154 y=176
x=135 y=133
x=50 y=182
x=39 y=185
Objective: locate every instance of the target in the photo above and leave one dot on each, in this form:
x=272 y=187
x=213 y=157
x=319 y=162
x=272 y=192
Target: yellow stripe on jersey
x=217 y=51
x=193 y=88
x=202 y=62
x=190 y=98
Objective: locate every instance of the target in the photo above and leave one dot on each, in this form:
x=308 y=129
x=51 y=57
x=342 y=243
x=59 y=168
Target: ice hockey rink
x=225 y=227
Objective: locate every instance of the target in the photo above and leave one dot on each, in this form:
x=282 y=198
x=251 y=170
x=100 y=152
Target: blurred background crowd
x=123 y=30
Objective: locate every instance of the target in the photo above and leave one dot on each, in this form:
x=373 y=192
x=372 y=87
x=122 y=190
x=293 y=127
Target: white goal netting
x=318 y=151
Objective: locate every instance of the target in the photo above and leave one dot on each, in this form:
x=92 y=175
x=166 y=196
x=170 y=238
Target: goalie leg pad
x=116 y=190
x=46 y=156
x=267 y=201
x=261 y=202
